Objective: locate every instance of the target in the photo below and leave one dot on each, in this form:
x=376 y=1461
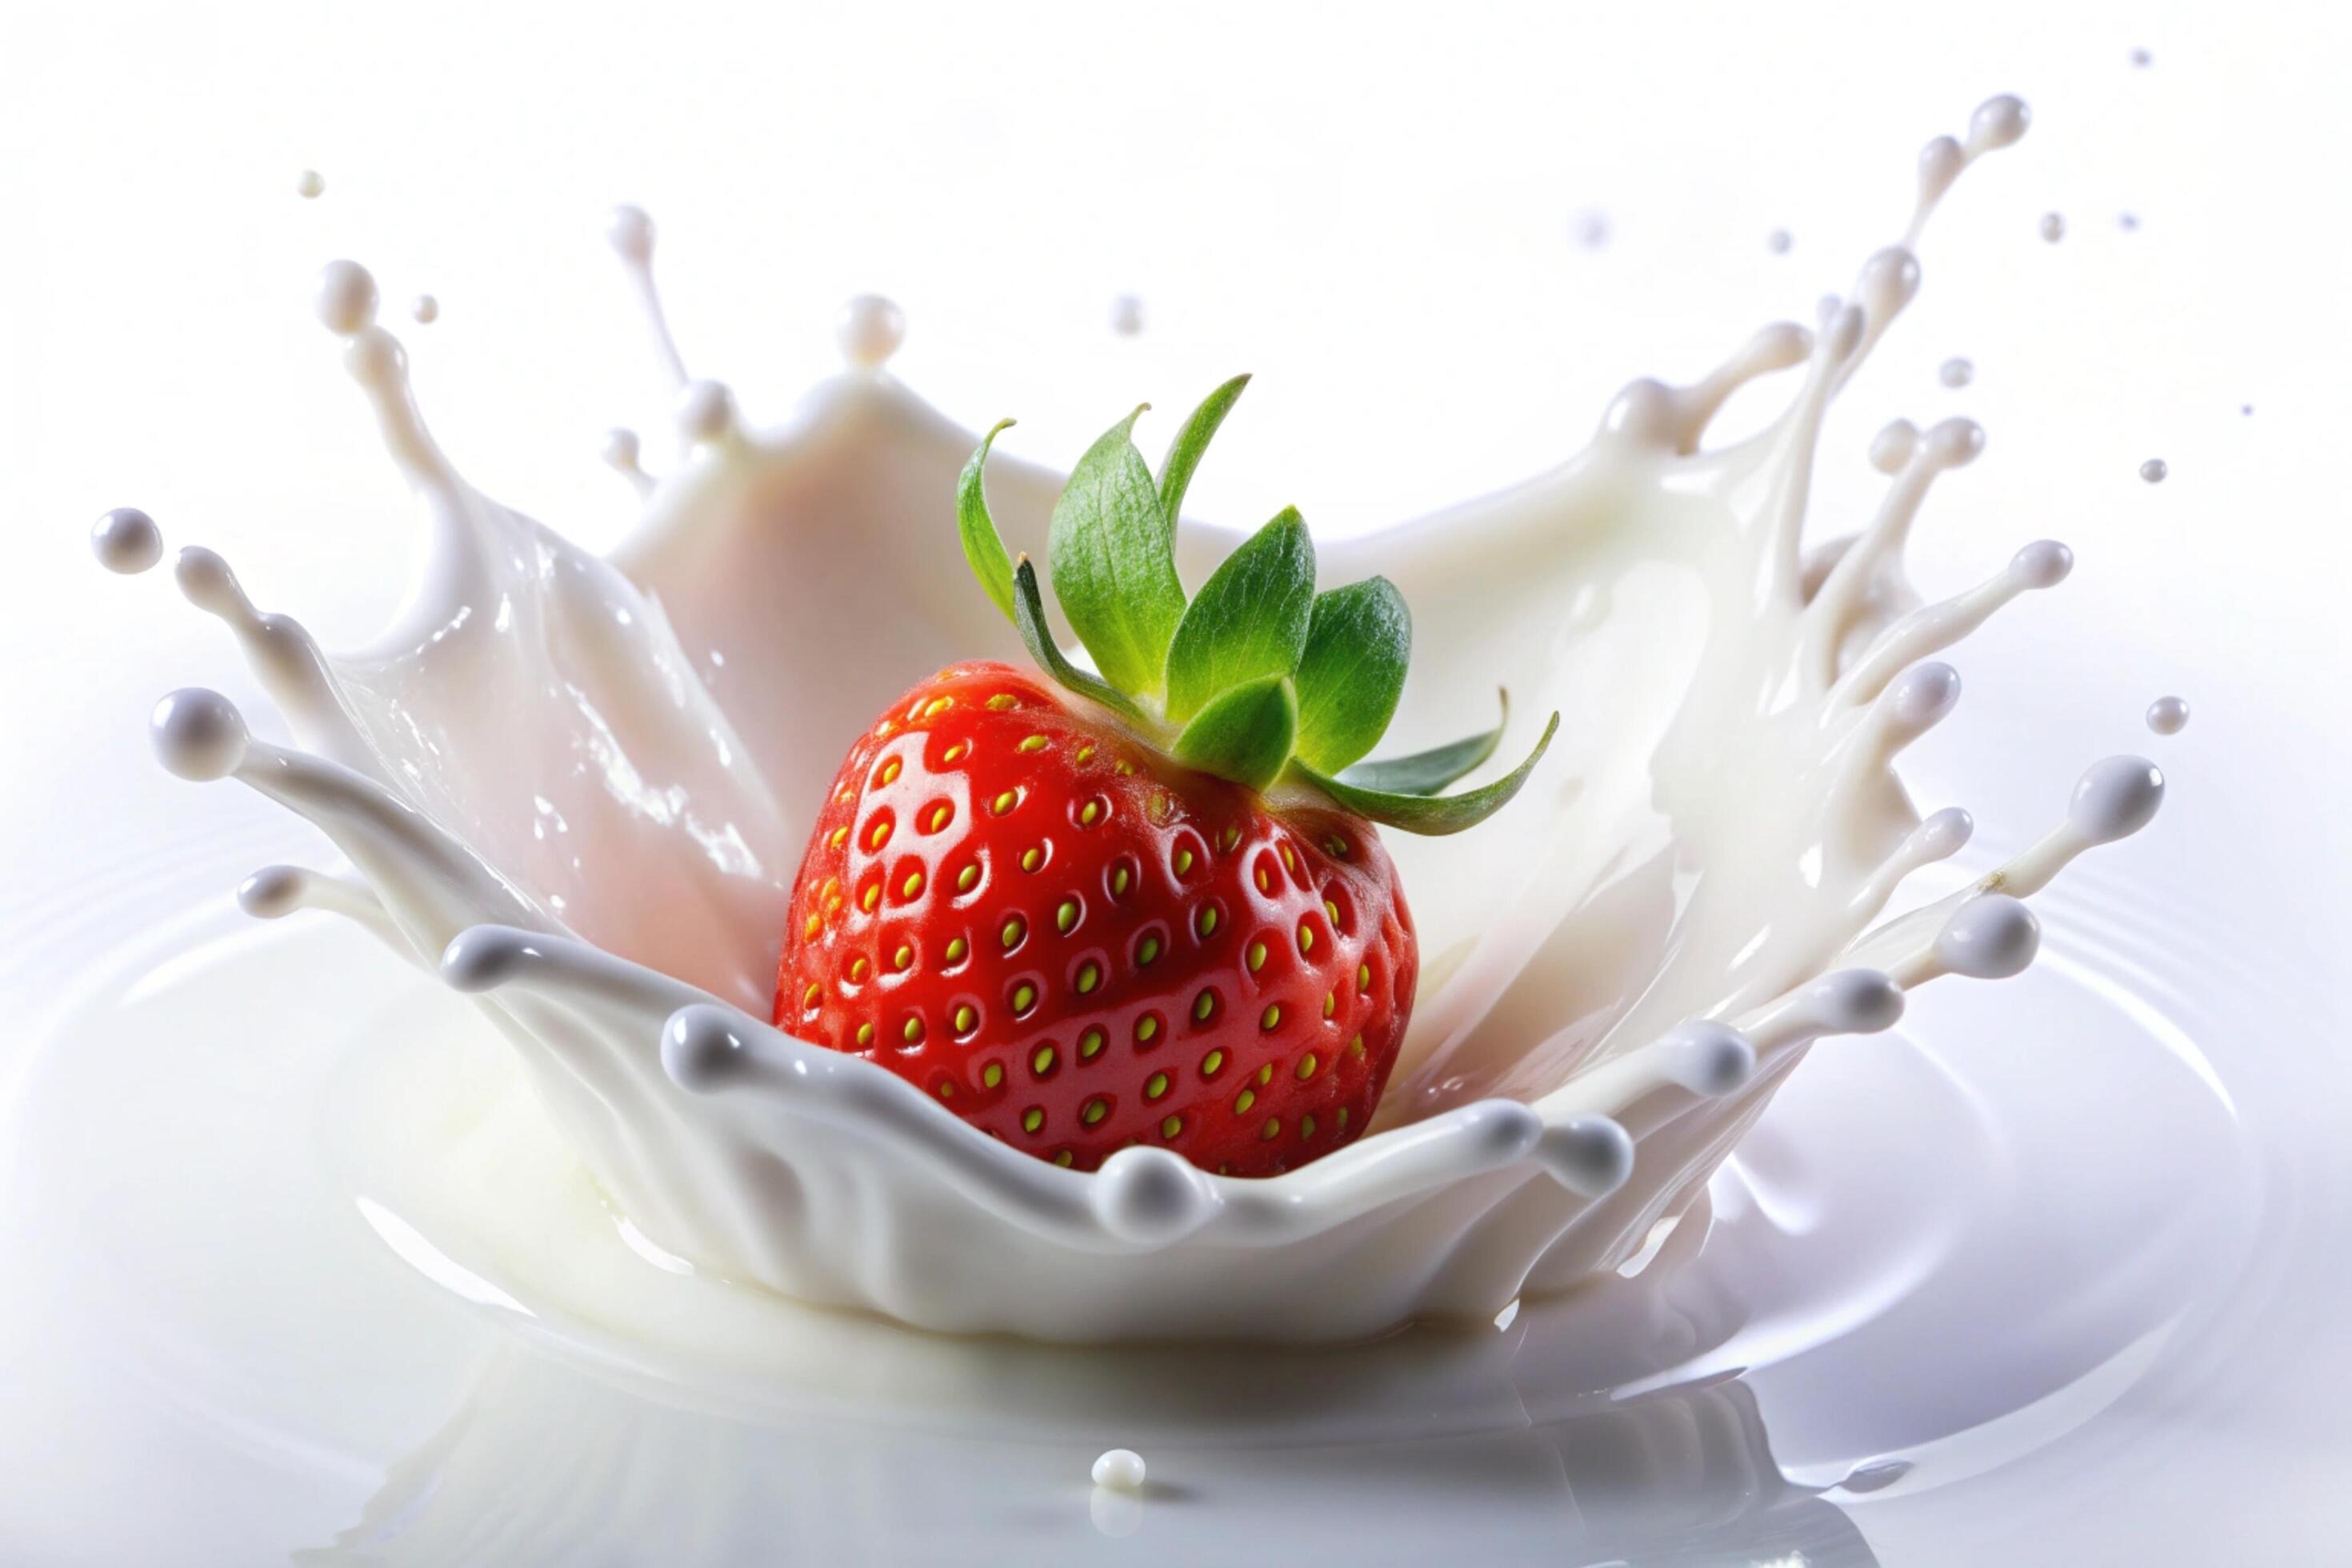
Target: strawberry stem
x=1268 y=679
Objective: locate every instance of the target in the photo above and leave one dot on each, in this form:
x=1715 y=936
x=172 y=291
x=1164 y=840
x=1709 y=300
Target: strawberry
x=1078 y=943
x=1147 y=905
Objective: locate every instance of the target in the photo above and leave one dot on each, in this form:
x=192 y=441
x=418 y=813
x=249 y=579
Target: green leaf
x=1029 y=616
x=983 y=546
x=1191 y=441
x=1426 y=813
x=1249 y=619
x=1113 y=569
x=1426 y=772
x=1358 y=644
x=1244 y=735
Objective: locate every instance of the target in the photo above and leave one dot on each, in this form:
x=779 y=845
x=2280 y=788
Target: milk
x=577 y=788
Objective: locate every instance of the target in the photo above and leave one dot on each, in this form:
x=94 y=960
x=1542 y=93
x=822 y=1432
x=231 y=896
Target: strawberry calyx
x=1257 y=678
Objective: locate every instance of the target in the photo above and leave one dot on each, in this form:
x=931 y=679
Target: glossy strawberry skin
x=1077 y=946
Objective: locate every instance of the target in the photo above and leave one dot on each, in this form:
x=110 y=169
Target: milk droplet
x=871 y=330
x=630 y=232
x=705 y=410
x=1888 y=282
x=1127 y=315
x=1956 y=443
x=1922 y=698
x=1779 y=241
x=1955 y=371
x=1707 y=1057
x=1120 y=1469
x=2043 y=563
x=483 y=958
x=620 y=451
x=2116 y=798
x=1151 y=1196
x=2127 y=222
x=426 y=309
x=1990 y=937
x=1940 y=162
x=1891 y=449
x=378 y=362
x=1998 y=122
x=2053 y=227
x=700 y=1049
x=346 y=297
x=198 y=734
x=126 y=540
x=1503 y=1131
x=1847 y=1002
x=2169 y=715
x=1590 y=228
x=2142 y=58
x=2245 y=408
x=1946 y=833
x=309 y=185
x=271 y=893
x=2154 y=470
x=1642 y=410
x=1858 y=1000
x=1589 y=1155
x=207 y=581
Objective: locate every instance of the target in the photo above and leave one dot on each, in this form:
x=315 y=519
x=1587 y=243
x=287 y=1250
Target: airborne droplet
x=2169 y=715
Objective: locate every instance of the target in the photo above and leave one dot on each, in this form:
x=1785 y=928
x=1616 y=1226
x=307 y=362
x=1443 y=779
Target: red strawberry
x=1142 y=909
x=1077 y=944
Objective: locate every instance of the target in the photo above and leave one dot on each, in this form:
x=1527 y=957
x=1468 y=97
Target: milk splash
x=576 y=786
